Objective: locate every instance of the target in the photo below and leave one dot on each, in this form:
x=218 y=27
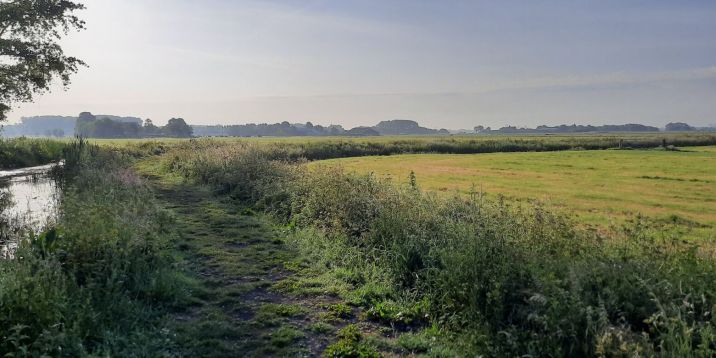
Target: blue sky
x=453 y=64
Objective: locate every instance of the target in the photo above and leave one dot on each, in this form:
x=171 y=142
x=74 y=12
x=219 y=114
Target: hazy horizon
x=443 y=64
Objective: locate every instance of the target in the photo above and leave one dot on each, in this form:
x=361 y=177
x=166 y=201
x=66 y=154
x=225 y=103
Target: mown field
x=600 y=187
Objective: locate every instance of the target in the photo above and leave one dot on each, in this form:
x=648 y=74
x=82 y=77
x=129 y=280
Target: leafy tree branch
x=30 y=56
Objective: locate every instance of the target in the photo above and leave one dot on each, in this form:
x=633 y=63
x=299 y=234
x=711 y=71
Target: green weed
x=98 y=281
x=350 y=345
x=26 y=152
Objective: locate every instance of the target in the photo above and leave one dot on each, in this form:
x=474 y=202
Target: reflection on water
x=28 y=201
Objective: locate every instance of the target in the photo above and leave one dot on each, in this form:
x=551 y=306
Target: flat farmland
x=600 y=187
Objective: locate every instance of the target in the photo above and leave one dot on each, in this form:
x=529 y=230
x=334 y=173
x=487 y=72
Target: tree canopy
x=30 y=55
x=177 y=127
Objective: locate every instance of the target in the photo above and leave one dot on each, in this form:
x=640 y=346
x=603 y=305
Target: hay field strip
x=601 y=187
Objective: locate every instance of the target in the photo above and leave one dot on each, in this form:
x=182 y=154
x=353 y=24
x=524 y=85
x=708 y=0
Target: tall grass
x=509 y=279
x=25 y=152
x=328 y=148
x=95 y=282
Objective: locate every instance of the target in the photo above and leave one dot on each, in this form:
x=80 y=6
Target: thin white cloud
x=300 y=17
x=608 y=80
x=538 y=83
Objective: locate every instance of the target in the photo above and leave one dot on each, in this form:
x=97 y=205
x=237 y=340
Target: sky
x=445 y=64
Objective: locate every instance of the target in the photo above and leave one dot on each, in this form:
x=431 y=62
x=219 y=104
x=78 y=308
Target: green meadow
x=600 y=187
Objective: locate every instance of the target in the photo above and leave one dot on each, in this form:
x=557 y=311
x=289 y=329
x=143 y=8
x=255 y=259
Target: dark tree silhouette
x=30 y=57
x=177 y=127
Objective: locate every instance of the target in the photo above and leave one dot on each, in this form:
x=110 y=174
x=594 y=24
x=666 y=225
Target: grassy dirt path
x=235 y=259
x=252 y=294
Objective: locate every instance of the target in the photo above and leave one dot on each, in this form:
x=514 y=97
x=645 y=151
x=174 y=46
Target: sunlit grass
x=600 y=187
x=560 y=138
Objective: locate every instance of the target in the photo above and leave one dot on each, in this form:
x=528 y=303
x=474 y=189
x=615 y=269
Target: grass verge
x=26 y=152
x=101 y=280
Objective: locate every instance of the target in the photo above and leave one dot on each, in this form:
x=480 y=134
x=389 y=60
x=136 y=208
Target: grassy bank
x=317 y=148
x=27 y=152
x=467 y=275
x=97 y=281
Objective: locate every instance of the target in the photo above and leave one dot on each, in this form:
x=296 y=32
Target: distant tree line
x=683 y=127
x=109 y=126
x=574 y=128
x=286 y=129
x=41 y=126
x=91 y=126
x=569 y=129
x=283 y=129
x=405 y=127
